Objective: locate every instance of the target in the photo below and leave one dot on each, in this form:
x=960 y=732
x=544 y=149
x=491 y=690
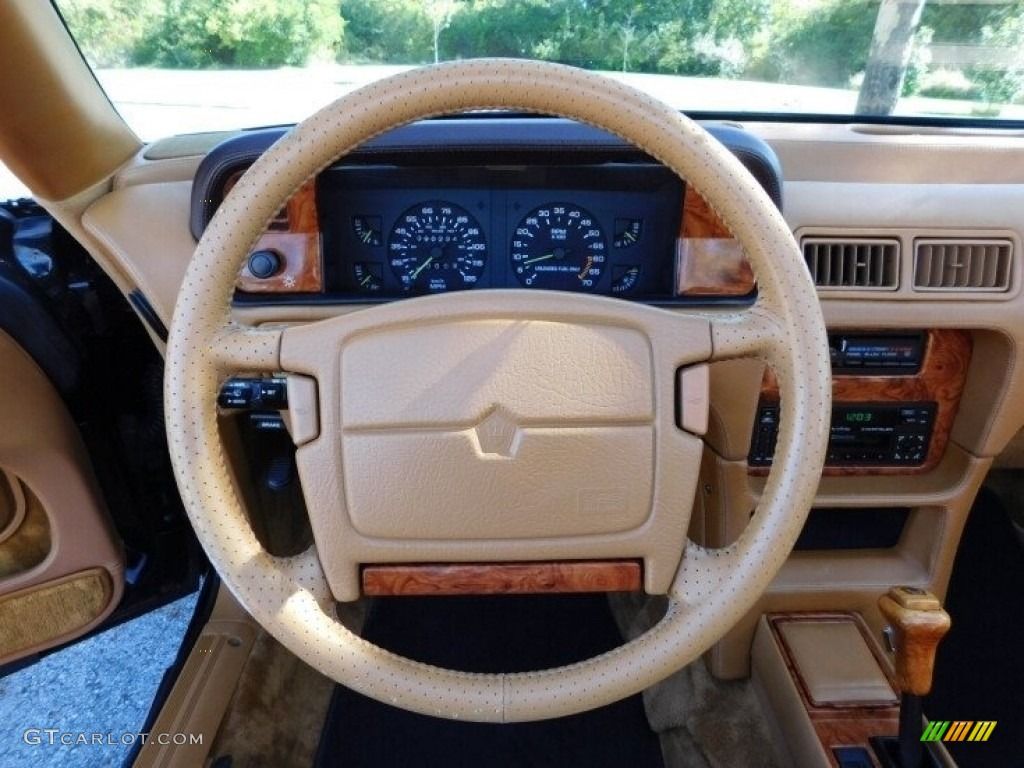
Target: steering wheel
x=484 y=426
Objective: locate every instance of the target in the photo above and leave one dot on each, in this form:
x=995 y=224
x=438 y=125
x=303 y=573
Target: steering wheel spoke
x=236 y=350
x=755 y=332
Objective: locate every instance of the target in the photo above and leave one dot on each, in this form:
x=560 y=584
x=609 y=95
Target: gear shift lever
x=919 y=623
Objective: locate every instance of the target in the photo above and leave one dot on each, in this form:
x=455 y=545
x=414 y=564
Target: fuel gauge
x=628 y=232
x=369 y=276
x=624 y=278
x=367 y=229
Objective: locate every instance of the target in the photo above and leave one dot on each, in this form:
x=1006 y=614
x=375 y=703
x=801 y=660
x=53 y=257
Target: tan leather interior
x=151 y=257
x=27 y=541
x=834 y=664
x=853 y=180
x=61 y=569
x=409 y=389
x=200 y=697
x=12 y=506
x=837 y=178
x=741 y=572
x=780 y=699
x=73 y=138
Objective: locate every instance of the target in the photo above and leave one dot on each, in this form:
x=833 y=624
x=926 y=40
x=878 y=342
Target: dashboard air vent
x=845 y=263
x=962 y=265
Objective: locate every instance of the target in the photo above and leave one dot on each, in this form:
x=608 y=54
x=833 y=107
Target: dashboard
x=390 y=222
x=504 y=202
x=926 y=373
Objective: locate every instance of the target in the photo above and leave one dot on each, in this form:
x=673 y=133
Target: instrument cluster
x=390 y=232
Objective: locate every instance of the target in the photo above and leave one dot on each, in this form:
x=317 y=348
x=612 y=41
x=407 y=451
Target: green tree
x=513 y=28
x=109 y=31
x=826 y=45
x=1000 y=82
x=242 y=33
x=392 y=31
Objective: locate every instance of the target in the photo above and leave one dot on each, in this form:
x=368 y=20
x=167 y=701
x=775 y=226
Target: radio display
x=858 y=354
x=865 y=417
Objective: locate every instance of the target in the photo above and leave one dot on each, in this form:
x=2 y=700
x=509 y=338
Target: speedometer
x=558 y=246
x=437 y=246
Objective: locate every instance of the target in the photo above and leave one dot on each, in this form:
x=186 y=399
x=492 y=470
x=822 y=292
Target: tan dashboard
x=841 y=183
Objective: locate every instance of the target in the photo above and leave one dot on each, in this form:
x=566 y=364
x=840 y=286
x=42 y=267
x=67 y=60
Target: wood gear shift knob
x=919 y=623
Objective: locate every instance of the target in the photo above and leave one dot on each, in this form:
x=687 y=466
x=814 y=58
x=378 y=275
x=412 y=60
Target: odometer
x=437 y=246
x=559 y=246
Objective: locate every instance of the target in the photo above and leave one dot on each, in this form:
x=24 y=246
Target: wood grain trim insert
x=840 y=726
x=941 y=379
x=295 y=235
x=502 y=578
x=709 y=260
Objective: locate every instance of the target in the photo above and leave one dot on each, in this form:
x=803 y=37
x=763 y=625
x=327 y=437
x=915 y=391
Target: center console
x=895 y=396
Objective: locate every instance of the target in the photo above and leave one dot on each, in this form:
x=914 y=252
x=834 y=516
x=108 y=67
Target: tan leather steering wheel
x=411 y=414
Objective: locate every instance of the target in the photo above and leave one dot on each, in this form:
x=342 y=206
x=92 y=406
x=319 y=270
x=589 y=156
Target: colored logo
x=959 y=730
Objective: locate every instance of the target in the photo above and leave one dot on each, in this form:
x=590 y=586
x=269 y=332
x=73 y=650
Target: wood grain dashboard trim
x=295 y=235
x=941 y=379
x=502 y=578
x=709 y=260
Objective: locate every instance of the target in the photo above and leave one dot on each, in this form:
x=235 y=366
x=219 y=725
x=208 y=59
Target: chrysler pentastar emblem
x=497 y=433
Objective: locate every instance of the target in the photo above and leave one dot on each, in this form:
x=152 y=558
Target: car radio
x=862 y=434
x=876 y=354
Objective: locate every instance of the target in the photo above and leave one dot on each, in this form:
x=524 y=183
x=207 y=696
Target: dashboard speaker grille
x=962 y=265
x=844 y=264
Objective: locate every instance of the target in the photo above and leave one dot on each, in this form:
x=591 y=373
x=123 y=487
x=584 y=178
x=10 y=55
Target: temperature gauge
x=627 y=232
x=367 y=229
x=369 y=276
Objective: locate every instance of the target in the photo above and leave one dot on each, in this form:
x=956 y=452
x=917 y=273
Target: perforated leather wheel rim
x=712 y=589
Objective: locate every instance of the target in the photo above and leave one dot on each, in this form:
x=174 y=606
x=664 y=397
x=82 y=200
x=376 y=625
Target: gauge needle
x=366 y=279
x=539 y=258
x=422 y=266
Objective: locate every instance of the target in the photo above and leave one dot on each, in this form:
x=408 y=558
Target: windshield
x=177 y=66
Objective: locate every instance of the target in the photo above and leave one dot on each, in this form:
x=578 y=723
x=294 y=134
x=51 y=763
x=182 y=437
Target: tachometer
x=437 y=246
x=559 y=246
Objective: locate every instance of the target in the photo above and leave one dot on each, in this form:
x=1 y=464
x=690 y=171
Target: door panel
x=61 y=564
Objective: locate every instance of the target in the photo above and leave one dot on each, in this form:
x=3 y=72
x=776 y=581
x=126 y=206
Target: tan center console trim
x=833 y=663
x=811 y=729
